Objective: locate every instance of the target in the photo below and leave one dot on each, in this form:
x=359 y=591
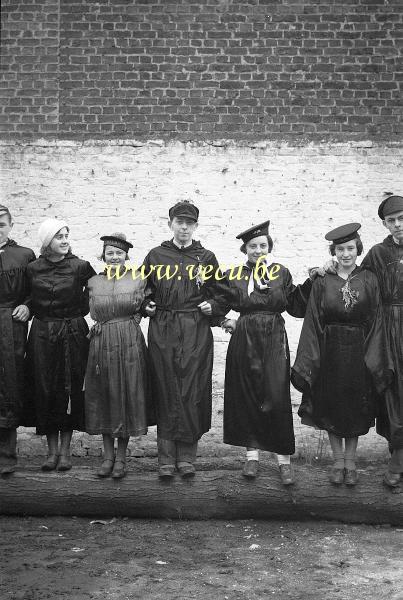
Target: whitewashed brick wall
x=102 y=187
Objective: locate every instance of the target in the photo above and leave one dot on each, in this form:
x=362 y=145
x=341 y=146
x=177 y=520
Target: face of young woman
x=182 y=229
x=257 y=247
x=59 y=246
x=394 y=223
x=346 y=254
x=114 y=256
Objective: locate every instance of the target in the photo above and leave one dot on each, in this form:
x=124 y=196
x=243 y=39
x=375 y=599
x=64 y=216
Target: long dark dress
x=13 y=334
x=257 y=403
x=180 y=343
x=57 y=346
x=341 y=356
x=116 y=382
x=385 y=260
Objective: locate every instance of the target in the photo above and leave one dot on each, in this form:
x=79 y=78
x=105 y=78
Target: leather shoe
x=119 y=469
x=186 y=471
x=336 y=476
x=50 y=463
x=391 y=479
x=166 y=471
x=250 y=469
x=350 y=477
x=286 y=475
x=106 y=468
x=64 y=463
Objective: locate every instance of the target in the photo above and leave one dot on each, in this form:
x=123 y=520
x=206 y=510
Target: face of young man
x=182 y=229
x=394 y=223
x=5 y=228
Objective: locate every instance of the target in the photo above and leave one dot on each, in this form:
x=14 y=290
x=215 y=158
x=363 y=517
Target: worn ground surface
x=76 y=559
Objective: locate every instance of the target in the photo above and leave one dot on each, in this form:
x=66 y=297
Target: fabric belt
x=343 y=324
x=96 y=329
x=65 y=333
x=257 y=312
x=177 y=310
x=50 y=319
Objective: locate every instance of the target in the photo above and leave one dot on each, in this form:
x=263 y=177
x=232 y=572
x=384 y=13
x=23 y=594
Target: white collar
x=182 y=245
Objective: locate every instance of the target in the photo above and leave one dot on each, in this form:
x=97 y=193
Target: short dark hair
x=102 y=256
x=269 y=242
x=358 y=243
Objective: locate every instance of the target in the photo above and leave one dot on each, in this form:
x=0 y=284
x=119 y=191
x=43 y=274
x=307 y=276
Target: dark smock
x=257 y=403
x=385 y=260
x=116 y=382
x=342 y=356
x=180 y=342
x=13 y=334
x=57 y=346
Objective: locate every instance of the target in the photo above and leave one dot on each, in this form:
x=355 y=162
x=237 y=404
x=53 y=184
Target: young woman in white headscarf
x=57 y=346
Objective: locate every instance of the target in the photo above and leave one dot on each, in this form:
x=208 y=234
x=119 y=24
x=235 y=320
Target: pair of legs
x=344 y=468
x=394 y=472
x=58 y=457
x=175 y=453
x=8 y=450
x=284 y=462
x=113 y=465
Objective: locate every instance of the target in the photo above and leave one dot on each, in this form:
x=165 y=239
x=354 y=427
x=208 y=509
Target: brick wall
x=202 y=69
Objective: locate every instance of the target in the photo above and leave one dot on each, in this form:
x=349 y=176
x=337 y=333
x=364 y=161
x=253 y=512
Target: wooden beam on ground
x=222 y=494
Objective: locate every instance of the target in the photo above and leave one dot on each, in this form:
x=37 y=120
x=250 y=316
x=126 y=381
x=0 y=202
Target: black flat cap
x=344 y=233
x=390 y=205
x=184 y=209
x=117 y=240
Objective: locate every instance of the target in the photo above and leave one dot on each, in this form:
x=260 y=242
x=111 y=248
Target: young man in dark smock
x=180 y=341
x=386 y=261
x=14 y=315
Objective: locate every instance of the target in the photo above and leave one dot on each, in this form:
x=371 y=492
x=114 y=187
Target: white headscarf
x=48 y=230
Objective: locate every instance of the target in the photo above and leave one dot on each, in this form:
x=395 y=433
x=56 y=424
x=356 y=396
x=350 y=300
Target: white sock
x=283 y=459
x=252 y=455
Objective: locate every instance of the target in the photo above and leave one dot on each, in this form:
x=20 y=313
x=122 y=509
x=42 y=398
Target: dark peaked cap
x=390 y=205
x=344 y=233
x=117 y=240
x=255 y=231
x=184 y=209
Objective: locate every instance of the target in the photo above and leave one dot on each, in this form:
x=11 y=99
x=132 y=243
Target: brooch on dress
x=350 y=297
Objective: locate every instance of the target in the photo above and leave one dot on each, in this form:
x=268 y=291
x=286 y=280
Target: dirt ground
x=125 y=559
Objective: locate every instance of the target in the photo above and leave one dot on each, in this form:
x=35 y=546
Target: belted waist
x=50 y=319
x=345 y=324
x=66 y=334
x=243 y=313
x=97 y=327
x=393 y=303
x=176 y=310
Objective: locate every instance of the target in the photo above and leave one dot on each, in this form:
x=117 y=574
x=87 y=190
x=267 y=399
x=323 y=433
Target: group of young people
x=65 y=377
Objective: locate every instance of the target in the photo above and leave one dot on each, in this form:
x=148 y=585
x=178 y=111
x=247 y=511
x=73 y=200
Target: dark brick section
x=29 y=86
x=203 y=69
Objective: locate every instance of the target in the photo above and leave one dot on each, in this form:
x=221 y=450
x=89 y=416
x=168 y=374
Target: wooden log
x=222 y=494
